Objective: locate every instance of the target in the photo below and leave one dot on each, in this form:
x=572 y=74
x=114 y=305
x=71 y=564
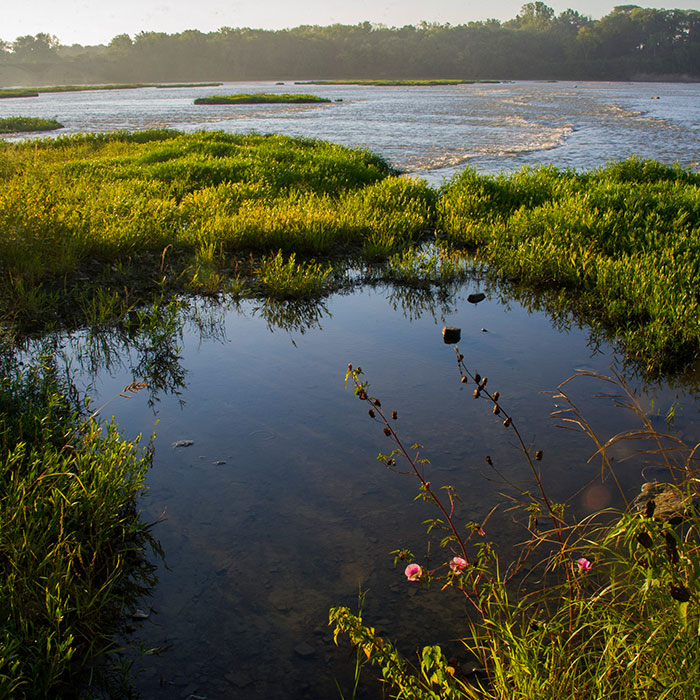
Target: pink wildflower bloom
x=457 y=564
x=584 y=565
x=413 y=572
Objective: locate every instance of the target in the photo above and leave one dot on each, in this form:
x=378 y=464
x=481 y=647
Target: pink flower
x=457 y=564
x=584 y=565
x=413 y=572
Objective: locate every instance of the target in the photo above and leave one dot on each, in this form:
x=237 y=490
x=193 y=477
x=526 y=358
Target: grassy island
x=12 y=125
x=260 y=98
x=399 y=83
x=8 y=93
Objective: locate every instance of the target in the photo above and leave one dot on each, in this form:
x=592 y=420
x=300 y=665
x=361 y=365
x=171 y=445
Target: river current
x=428 y=131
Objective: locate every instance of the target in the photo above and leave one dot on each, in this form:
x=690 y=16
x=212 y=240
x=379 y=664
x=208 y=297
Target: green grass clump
x=400 y=83
x=77 y=210
x=11 y=125
x=72 y=558
x=187 y=85
x=17 y=92
x=259 y=98
x=621 y=244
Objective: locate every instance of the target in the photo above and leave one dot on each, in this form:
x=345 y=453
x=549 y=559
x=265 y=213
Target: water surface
x=279 y=509
x=429 y=131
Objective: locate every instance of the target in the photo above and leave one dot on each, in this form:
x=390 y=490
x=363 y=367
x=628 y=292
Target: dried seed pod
x=362 y=395
x=464 y=379
x=387 y=431
x=496 y=395
x=477 y=377
x=671 y=548
x=377 y=403
x=394 y=415
x=644 y=539
x=651 y=507
x=488 y=460
x=680 y=593
x=476 y=393
x=496 y=410
x=538 y=455
x=507 y=422
x=483 y=382
x=371 y=413
x=460 y=358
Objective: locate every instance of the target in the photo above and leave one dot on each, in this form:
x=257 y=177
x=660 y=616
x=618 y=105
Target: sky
x=90 y=22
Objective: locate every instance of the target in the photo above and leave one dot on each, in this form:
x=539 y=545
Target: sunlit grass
x=622 y=242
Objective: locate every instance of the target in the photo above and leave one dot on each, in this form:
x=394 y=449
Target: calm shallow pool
x=279 y=510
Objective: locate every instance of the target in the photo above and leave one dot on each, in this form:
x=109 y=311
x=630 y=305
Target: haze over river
x=278 y=509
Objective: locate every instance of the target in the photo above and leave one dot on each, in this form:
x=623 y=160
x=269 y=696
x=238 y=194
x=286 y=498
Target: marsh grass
x=601 y=607
x=17 y=92
x=399 y=83
x=92 y=219
x=243 y=98
x=10 y=125
x=621 y=243
x=73 y=549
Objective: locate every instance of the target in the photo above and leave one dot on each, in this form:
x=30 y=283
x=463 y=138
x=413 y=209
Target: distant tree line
x=629 y=43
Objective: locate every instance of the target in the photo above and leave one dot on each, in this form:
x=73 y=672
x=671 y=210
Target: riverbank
x=106 y=230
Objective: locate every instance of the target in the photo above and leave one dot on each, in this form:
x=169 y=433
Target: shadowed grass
x=72 y=545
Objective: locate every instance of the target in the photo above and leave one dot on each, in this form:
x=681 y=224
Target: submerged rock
x=476 y=297
x=663 y=501
x=183 y=443
x=451 y=335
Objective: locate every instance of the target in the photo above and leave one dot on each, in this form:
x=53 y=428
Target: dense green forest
x=629 y=43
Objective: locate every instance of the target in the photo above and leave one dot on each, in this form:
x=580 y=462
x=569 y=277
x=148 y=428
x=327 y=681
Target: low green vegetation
x=188 y=85
x=17 y=92
x=11 y=125
x=401 y=83
x=164 y=210
x=73 y=549
x=620 y=246
x=260 y=98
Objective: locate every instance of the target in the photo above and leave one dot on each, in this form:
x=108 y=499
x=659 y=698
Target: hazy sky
x=98 y=21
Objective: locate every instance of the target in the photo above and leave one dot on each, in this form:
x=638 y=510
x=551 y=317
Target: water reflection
x=278 y=510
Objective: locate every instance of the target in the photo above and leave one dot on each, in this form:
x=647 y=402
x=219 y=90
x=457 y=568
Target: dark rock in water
x=306 y=651
x=476 y=298
x=183 y=443
x=663 y=502
x=451 y=335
